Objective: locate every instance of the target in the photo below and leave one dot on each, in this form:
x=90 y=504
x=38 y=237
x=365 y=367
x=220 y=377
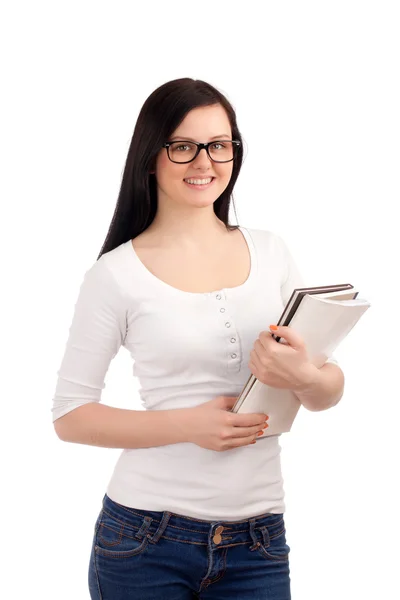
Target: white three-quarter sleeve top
x=186 y=348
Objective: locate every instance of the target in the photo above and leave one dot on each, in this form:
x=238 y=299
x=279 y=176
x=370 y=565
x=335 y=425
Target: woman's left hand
x=282 y=365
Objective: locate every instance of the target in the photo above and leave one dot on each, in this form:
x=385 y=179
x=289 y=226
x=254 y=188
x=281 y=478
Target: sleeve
x=97 y=331
x=291 y=279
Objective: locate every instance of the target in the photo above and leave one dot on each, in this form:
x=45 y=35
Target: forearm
x=101 y=425
x=325 y=390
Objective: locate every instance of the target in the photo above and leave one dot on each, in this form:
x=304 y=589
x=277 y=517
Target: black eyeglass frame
x=200 y=146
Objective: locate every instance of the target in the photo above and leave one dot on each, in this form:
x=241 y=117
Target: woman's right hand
x=212 y=426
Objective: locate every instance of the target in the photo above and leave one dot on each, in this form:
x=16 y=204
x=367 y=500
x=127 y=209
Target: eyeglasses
x=183 y=151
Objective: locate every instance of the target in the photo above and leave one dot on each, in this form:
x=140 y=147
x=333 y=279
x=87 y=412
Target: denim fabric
x=148 y=555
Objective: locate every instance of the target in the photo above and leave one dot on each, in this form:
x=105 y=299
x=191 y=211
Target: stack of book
x=323 y=316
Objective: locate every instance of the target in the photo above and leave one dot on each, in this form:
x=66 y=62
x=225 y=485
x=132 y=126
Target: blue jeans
x=148 y=555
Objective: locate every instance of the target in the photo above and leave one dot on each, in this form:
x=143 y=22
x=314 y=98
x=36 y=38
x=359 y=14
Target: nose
x=202 y=159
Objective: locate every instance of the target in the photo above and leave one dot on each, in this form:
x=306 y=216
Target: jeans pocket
x=115 y=539
x=273 y=545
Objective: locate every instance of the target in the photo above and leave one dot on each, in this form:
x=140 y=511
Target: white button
x=233 y=340
x=233 y=355
x=227 y=324
x=221 y=310
x=218 y=296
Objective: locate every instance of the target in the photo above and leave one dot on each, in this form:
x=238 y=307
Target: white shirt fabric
x=187 y=348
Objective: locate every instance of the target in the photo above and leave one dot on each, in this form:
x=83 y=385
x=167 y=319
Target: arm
x=97 y=331
x=328 y=386
x=101 y=425
x=326 y=389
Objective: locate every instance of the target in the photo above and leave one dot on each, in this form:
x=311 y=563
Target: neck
x=187 y=228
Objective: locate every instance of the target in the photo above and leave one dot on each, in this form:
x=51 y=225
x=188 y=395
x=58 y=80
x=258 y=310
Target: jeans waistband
x=157 y=524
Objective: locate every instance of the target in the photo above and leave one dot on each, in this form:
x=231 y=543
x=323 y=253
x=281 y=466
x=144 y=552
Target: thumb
x=226 y=402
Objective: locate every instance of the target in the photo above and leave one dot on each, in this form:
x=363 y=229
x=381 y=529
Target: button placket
x=228 y=324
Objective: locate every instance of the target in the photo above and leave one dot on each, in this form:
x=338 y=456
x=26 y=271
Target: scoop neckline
x=166 y=286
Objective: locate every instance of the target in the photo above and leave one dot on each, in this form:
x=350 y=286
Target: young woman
x=195 y=508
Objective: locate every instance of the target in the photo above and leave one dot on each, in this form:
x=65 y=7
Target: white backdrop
x=316 y=89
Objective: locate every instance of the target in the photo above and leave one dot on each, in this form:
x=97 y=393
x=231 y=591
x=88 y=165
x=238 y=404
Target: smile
x=199 y=184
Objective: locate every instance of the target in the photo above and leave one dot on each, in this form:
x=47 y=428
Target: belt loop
x=265 y=534
x=161 y=528
x=252 y=523
x=145 y=527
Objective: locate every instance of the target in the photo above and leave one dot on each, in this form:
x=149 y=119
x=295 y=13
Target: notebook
x=323 y=316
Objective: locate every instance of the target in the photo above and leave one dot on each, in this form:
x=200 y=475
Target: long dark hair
x=160 y=115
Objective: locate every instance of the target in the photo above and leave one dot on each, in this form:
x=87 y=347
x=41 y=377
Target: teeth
x=199 y=181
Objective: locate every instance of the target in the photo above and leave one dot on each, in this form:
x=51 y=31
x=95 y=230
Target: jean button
x=217 y=539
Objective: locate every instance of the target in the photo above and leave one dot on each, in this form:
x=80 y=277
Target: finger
x=289 y=334
x=243 y=441
x=255 y=361
x=248 y=431
x=247 y=419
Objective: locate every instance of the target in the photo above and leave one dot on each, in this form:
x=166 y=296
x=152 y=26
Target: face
x=200 y=125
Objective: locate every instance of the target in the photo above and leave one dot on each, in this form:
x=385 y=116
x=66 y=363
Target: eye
x=218 y=144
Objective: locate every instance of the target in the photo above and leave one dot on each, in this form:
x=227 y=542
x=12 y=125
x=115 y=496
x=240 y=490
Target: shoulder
x=266 y=239
x=108 y=273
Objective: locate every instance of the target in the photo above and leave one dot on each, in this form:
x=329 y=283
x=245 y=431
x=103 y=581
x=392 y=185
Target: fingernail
x=273 y=327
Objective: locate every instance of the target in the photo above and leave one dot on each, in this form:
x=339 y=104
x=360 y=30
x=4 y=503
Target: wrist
x=310 y=381
x=179 y=422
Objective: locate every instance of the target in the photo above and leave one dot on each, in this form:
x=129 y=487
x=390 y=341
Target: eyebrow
x=217 y=137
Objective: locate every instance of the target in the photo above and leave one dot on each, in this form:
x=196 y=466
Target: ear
x=152 y=167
